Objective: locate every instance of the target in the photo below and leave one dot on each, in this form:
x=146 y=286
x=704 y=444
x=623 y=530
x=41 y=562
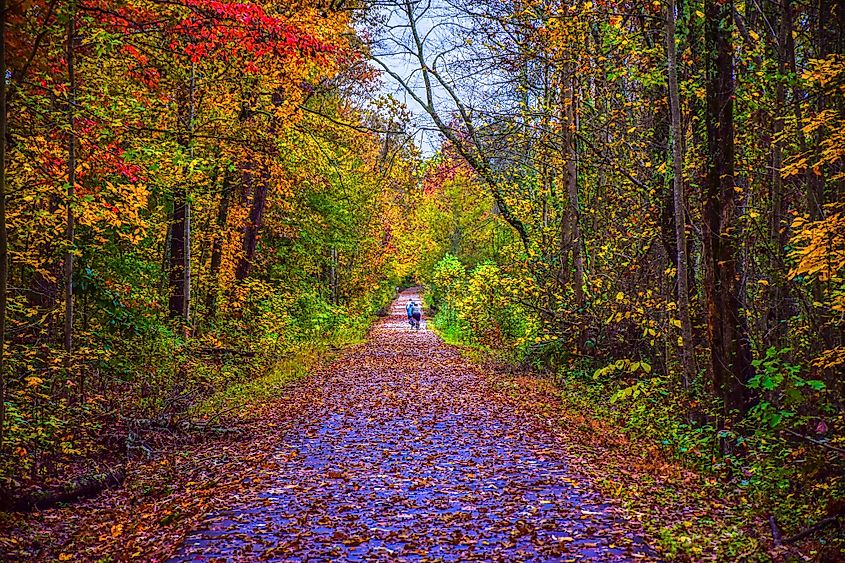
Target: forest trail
x=412 y=453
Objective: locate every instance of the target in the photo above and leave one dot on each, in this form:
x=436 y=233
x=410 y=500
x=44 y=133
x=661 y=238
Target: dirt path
x=410 y=453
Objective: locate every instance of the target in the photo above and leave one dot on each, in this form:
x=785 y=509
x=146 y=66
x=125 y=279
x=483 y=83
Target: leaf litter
x=412 y=453
x=399 y=449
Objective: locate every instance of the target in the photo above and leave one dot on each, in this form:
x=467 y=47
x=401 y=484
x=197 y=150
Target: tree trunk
x=71 y=182
x=730 y=351
x=217 y=244
x=333 y=275
x=570 y=232
x=687 y=359
x=812 y=181
x=4 y=238
x=253 y=226
x=778 y=290
x=178 y=257
x=180 y=236
x=827 y=38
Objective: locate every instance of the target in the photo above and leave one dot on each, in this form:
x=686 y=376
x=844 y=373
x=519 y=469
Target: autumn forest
x=621 y=221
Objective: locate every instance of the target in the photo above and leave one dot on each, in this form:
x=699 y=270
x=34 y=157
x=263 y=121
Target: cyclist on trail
x=416 y=315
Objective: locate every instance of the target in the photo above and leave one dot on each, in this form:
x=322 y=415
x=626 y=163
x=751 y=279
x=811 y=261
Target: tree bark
x=730 y=351
x=86 y=486
x=180 y=236
x=217 y=244
x=679 y=205
x=778 y=291
x=4 y=238
x=333 y=275
x=570 y=227
x=812 y=181
x=71 y=182
x=178 y=258
x=253 y=226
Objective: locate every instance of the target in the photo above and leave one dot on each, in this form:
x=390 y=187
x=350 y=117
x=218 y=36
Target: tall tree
x=678 y=197
x=71 y=183
x=180 y=235
x=730 y=350
x=4 y=237
x=257 y=188
x=570 y=224
x=461 y=131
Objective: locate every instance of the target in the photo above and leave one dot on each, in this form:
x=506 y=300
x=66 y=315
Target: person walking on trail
x=416 y=315
x=409 y=308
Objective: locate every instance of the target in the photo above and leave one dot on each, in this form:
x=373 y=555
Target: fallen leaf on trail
x=452 y=461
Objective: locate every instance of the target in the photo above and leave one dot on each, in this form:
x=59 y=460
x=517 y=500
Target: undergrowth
x=296 y=364
x=161 y=378
x=760 y=467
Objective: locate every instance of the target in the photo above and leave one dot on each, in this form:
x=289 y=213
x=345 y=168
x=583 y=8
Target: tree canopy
x=644 y=198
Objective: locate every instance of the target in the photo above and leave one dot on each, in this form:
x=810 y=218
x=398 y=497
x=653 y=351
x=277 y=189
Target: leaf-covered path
x=409 y=452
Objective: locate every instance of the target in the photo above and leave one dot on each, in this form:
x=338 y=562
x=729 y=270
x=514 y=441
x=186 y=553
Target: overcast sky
x=391 y=38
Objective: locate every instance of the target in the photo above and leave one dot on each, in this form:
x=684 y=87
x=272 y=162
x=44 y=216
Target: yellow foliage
x=819 y=246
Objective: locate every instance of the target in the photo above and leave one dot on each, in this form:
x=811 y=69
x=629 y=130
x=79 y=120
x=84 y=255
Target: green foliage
x=479 y=306
x=452 y=215
x=448 y=280
x=766 y=458
x=783 y=390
